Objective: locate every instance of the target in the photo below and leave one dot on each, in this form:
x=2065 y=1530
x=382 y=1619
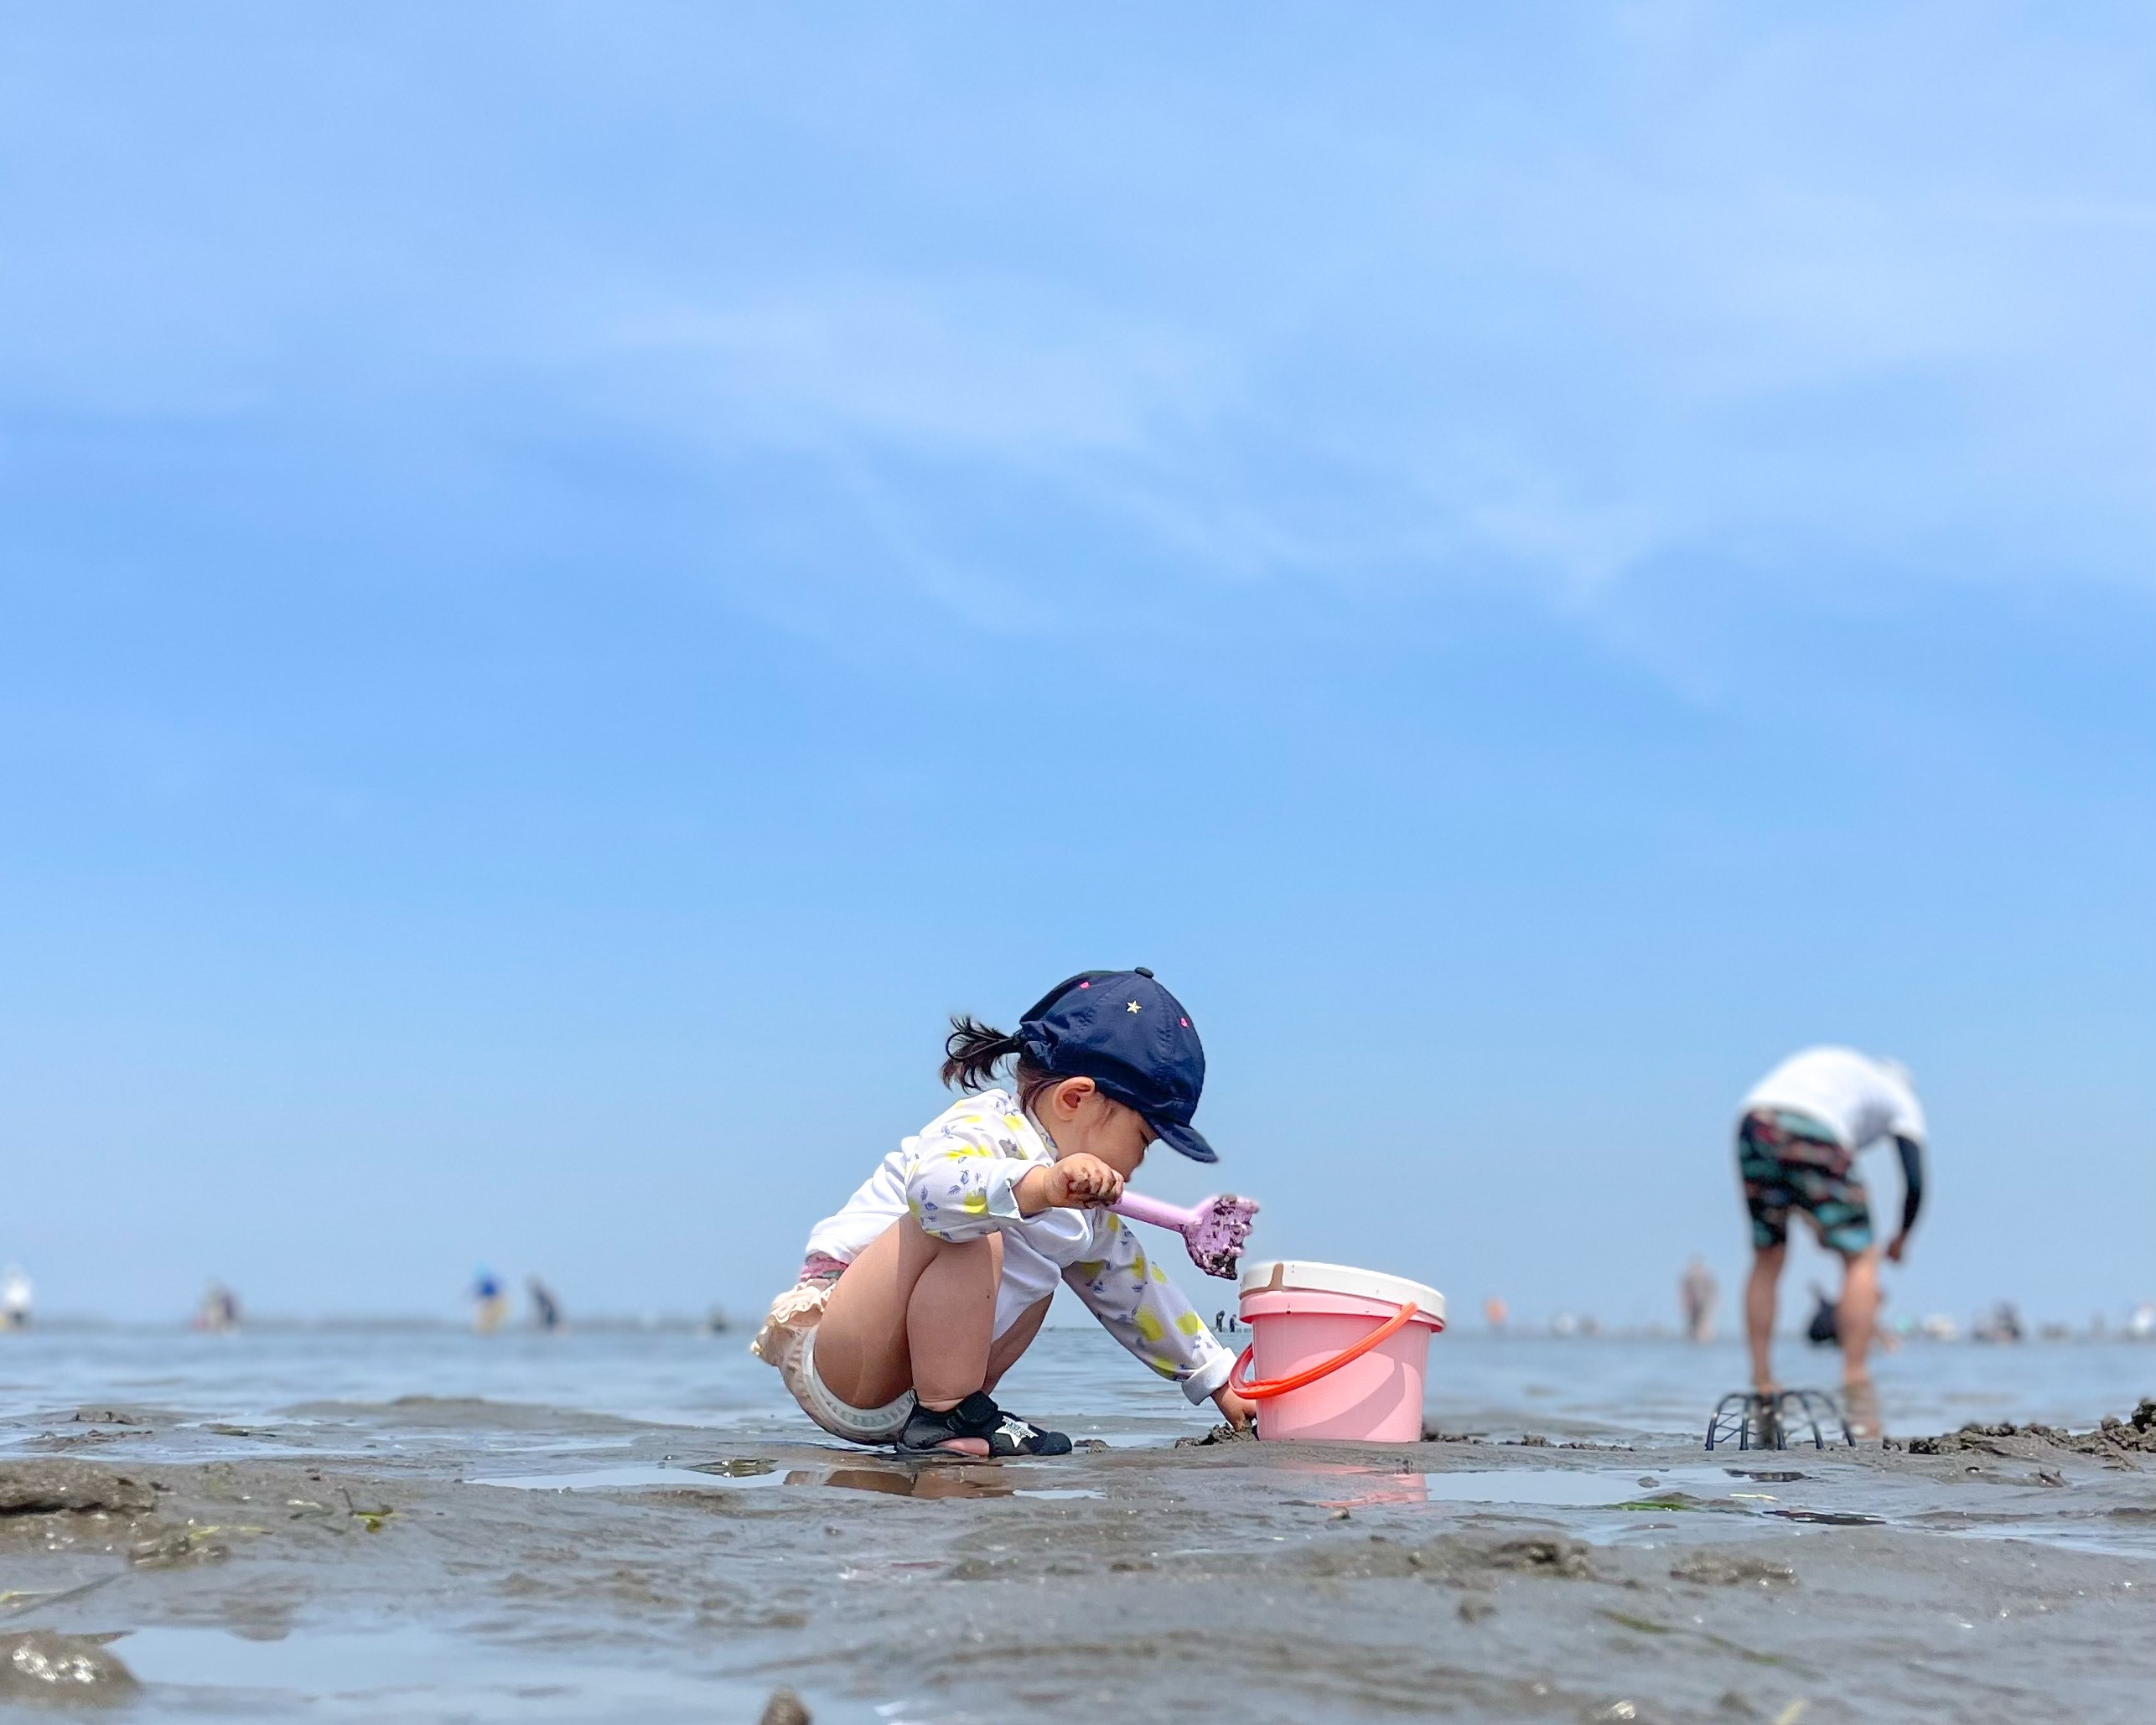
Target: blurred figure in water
x=14 y=1298
x=1798 y=1138
x=489 y=1304
x=1825 y=1329
x=1698 y=1294
x=1494 y=1312
x=545 y=1309
x=218 y=1310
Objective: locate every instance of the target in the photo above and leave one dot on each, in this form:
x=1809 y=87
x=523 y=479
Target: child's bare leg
x=1760 y=1314
x=951 y=1319
x=1014 y=1342
x=911 y=1313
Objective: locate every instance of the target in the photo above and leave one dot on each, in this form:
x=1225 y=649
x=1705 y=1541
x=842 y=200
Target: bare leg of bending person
x=1759 y=1294
x=1856 y=1314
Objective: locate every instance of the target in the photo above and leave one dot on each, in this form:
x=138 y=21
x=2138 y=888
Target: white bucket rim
x=1277 y=1275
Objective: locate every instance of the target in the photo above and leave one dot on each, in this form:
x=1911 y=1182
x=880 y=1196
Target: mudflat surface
x=473 y=1557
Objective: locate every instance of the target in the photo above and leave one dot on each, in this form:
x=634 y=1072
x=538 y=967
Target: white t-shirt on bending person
x=1860 y=1099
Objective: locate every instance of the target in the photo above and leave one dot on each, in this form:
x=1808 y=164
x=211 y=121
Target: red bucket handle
x=1310 y=1374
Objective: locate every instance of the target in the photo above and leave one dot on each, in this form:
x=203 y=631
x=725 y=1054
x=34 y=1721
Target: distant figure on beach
x=218 y=1310
x=1800 y=1131
x=489 y=1304
x=1698 y=1294
x=1494 y=1312
x=1825 y=1329
x=15 y=1298
x=545 y=1309
x=916 y=1297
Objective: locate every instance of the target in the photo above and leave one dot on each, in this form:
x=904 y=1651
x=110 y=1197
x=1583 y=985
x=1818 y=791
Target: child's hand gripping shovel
x=1214 y=1228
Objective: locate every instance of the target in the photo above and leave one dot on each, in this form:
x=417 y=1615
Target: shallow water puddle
x=660 y=1477
x=1567 y=1488
x=423 y=1674
x=935 y=1480
x=1623 y=1505
x=930 y=1479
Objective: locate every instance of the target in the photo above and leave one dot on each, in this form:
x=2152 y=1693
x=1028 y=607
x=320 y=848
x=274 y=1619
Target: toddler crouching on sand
x=917 y=1297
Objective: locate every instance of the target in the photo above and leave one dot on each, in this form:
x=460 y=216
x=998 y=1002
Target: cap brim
x=1186 y=1140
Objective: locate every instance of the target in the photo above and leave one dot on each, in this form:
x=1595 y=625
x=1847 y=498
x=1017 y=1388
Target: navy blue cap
x=1132 y=1039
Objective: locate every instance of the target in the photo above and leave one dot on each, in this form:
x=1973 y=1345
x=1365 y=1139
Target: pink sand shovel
x=1214 y=1228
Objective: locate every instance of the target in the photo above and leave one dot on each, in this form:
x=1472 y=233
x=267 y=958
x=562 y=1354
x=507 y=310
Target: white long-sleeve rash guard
x=956 y=1179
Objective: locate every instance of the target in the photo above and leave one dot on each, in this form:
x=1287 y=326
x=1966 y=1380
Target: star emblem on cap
x=1132 y=1007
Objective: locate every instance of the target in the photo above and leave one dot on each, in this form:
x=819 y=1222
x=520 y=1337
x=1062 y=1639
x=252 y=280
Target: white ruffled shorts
x=787 y=1340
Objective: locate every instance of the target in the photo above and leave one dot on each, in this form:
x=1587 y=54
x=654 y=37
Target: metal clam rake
x=1757 y=1421
x=1214 y=1228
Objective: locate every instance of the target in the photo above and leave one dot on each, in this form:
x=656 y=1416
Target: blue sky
x=573 y=578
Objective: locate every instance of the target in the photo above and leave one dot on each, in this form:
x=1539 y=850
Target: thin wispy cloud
x=1491 y=307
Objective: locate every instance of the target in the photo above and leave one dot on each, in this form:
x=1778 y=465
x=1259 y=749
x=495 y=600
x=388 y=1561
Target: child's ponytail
x=973 y=1051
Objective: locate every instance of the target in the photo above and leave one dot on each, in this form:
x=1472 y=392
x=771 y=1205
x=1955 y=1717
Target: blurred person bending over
x=1802 y=1128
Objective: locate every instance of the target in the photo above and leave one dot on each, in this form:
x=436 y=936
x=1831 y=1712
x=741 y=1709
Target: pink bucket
x=1315 y=1322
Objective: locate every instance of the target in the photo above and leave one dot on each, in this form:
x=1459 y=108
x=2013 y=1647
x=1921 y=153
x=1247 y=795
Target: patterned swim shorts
x=1791 y=1162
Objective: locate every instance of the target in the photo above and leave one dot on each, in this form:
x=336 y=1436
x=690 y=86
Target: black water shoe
x=926 y=1432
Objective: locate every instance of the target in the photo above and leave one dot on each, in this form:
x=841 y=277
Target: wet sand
x=353 y=1562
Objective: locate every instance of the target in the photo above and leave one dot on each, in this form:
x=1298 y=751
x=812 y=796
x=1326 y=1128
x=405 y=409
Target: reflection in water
x=1366 y=1486
x=1347 y=1485
x=926 y=1479
x=936 y=1479
x=931 y=1479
